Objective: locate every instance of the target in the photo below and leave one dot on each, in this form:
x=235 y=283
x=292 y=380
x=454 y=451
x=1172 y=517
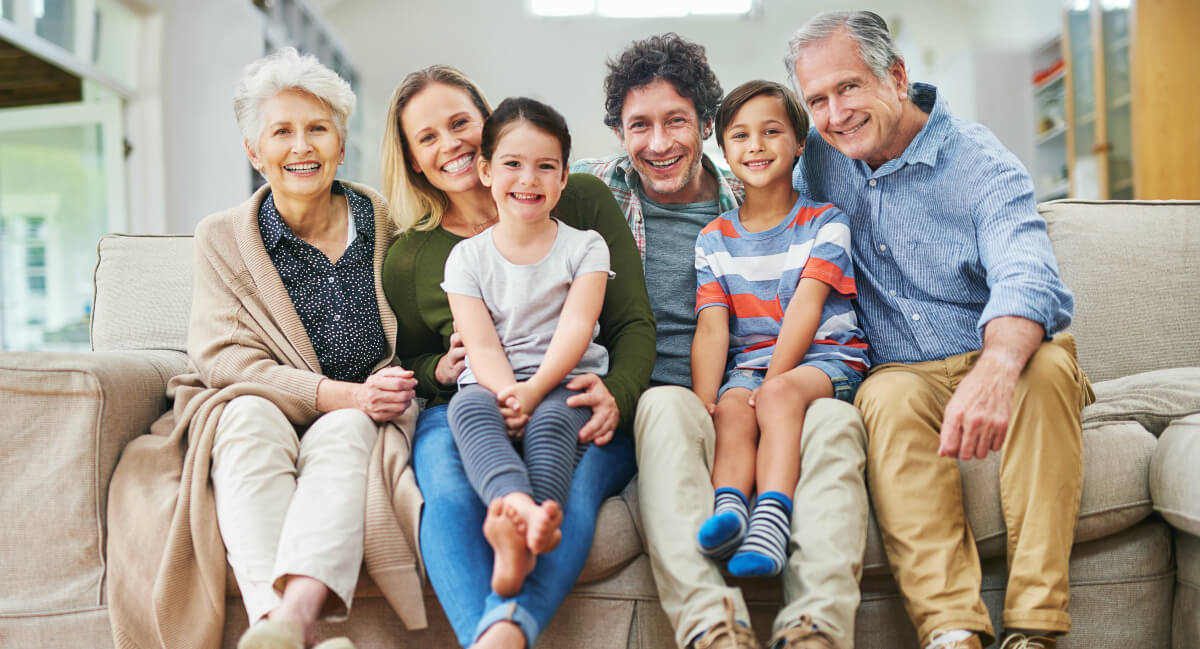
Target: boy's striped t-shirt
x=755 y=274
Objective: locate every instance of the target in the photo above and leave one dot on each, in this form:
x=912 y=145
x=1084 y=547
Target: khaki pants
x=919 y=501
x=675 y=441
x=289 y=505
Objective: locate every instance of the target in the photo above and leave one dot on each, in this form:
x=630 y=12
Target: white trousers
x=288 y=505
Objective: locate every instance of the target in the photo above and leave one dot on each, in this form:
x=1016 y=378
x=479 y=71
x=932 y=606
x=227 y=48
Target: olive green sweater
x=412 y=277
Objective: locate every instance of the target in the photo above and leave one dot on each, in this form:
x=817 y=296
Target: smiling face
x=661 y=133
x=299 y=148
x=442 y=127
x=526 y=173
x=856 y=112
x=760 y=144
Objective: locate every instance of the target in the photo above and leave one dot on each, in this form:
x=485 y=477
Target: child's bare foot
x=513 y=561
x=539 y=523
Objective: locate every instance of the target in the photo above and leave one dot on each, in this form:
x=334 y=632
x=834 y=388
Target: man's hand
x=976 y=419
x=452 y=363
x=605 y=416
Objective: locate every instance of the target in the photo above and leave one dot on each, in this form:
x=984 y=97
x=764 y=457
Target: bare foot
x=539 y=523
x=513 y=561
x=501 y=635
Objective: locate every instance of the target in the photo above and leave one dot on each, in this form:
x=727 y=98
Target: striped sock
x=764 y=551
x=723 y=532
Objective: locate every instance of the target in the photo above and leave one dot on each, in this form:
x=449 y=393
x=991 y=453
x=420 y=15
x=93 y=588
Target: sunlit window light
x=1108 y=5
x=639 y=8
x=562 y=7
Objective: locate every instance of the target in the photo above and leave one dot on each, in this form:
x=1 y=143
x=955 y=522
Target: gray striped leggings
x=490 y=458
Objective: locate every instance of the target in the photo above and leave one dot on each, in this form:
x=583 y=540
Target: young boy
x=775 y=327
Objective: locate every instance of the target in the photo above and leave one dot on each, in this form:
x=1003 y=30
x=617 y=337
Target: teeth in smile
x=458 y=164
x=303 y=166
x=525 y=197
x=664 y=163
x=855 y=129
x=758 y=164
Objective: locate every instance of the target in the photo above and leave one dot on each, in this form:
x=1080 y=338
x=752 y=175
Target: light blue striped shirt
x=946 y=237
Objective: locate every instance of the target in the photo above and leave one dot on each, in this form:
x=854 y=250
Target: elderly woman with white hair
x=291 y=347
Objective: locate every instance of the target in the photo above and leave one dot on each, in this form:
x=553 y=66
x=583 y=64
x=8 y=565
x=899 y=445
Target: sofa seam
x=1094 y=512
x=60 y=612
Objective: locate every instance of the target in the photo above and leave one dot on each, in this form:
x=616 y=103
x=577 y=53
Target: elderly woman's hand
x=386 y=394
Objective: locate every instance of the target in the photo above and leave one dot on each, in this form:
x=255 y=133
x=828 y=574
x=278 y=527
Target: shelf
x=1051 y=135
x=1050 y=82
x=1124 y=183
x=1119 y=102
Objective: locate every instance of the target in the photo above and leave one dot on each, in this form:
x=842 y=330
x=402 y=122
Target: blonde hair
x=415 y=203
x=284 y=70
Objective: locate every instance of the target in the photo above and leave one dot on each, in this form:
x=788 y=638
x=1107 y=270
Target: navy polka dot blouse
x=336 y=302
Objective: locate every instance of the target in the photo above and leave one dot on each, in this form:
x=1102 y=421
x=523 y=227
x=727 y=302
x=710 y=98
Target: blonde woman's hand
x=452 y=363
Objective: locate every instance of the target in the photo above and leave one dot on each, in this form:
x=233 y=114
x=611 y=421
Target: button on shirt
x=335 y=301
x=946 y=238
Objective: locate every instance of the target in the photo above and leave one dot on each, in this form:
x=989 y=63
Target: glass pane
x=6 y=9
x=1085 y=175
x=55 y=21
x=1116 y=89
x=52 y=212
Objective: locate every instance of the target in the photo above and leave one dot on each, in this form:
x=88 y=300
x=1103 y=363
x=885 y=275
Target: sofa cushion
x=1175 y=475
x=143 y=292
x=1131 y=265
x=67 y=417
x=1152 y=399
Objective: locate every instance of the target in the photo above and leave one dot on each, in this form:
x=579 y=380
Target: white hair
x=284 y=70
x=875 y=45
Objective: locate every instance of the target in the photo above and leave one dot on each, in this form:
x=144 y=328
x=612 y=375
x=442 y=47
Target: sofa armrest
x=67 y=417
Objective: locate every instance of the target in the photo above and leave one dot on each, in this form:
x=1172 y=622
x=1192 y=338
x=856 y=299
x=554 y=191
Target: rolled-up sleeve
x=1022 y=272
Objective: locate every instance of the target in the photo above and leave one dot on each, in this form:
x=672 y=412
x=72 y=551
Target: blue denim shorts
x=845 y=379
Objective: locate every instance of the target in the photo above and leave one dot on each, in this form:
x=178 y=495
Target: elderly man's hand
x=386 y=394
x=976 y=419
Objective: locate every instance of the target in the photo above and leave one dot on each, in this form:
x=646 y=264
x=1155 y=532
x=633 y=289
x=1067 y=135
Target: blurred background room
x=116 y=115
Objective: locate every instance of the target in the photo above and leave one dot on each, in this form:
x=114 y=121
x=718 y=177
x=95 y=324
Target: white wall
x=561 y=60
x=204 y=46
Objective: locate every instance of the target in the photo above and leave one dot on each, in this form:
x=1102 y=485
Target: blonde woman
x=430 y=152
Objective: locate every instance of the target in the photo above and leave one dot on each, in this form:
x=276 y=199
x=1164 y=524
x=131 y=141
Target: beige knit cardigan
x=166 y=560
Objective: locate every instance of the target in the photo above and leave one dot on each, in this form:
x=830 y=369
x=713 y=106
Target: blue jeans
x=458 y=559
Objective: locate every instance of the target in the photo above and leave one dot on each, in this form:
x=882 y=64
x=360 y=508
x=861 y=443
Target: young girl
x=775 y=327
x=525 y=295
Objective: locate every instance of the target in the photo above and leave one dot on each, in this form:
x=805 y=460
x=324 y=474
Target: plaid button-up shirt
x=618 y=173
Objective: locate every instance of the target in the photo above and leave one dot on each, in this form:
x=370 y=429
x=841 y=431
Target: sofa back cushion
x=1134 y=267
x=143 y=294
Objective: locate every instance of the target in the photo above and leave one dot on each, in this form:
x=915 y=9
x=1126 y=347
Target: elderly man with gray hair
x=959 y=294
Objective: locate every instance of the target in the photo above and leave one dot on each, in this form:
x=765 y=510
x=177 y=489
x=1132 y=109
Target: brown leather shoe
x=1023 y=641
x=939 y=641
x=804 y=635
x=727 y=633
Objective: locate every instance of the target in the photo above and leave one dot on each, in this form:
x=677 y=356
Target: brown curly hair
x=662 y=56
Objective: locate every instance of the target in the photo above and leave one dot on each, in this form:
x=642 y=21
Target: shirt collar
x=274 y=230
x=925 y=146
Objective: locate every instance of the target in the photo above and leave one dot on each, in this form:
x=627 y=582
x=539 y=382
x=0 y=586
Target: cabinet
x=1098 y=100
x=1130 y=91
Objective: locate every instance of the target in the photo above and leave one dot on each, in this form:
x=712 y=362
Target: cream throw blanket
x=166 y=561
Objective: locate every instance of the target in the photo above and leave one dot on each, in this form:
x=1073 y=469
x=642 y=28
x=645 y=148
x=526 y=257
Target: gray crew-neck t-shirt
x=671 y=282
x=525 y=300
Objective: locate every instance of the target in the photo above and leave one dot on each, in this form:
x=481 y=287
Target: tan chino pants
x=675 y=441
x=919 y=502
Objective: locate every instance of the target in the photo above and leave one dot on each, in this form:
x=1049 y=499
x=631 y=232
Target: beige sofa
x=1135 y=570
